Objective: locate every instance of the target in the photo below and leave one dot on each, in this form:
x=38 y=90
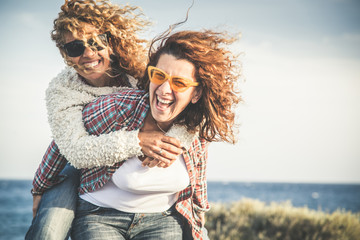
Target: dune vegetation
x=250 y=219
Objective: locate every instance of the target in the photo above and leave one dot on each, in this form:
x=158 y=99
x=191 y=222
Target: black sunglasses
x=77 y=47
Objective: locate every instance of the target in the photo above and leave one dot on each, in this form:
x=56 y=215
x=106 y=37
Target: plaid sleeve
x=200 y=198
x=115 y=111
x=47 y=173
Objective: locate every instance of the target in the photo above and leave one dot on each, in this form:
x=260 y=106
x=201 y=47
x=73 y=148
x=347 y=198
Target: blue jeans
x=56 y=210
x=94 y=222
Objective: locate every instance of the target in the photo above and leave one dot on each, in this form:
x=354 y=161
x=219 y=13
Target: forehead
x=176 y=67
x=84 y=31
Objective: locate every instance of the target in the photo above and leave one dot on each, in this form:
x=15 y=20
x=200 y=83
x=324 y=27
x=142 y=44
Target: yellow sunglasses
x=177 y=84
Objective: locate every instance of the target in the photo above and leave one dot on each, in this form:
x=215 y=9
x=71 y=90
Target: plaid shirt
x=128 y=110
x=47 y=174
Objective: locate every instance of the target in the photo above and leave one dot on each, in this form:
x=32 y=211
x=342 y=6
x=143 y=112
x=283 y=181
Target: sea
x=16 y=200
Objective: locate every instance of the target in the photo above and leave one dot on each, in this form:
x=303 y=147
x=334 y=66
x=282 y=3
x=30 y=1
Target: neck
x=164 y=127
x=161 y=129
x=150 y=124
x=105 y=82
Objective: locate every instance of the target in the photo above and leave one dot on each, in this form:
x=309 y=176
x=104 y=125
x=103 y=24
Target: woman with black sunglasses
x=99 y=43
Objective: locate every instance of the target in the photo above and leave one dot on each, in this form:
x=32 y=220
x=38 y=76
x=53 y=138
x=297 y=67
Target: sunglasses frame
x=81 y=45
x=188 y=82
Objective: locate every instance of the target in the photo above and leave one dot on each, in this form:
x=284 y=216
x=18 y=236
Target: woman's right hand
x=155 y=145
x=36 y=201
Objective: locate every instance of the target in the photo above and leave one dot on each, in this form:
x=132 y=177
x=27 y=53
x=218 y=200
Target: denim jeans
x=93 y=222
x=56 y=210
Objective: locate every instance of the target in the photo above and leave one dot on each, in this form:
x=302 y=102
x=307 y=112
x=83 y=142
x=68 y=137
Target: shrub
x=251 y=219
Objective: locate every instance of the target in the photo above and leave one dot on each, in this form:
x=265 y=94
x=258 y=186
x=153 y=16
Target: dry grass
x=251 y=219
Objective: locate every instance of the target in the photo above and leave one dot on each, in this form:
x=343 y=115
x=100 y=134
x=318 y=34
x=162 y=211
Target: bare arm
x=36 y=201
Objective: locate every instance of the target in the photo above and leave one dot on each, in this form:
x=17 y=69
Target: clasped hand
x=159 y=150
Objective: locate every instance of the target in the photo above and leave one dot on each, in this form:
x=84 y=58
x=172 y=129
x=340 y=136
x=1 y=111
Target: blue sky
x=300 y=119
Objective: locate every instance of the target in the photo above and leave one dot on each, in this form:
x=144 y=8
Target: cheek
x=187 y=96
x=72 y=60
x=152 y=89
x=183 y=100
x=105 y=54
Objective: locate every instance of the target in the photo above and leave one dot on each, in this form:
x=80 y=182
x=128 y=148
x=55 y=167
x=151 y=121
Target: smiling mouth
x=162 y=103
x=92 y=65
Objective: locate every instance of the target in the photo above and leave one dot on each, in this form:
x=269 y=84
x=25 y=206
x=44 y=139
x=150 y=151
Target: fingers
x=162 y=155
x=153 y=163
x=149 y=162
x=146 y=161
x=171 y=141
x=152 y=143
x=164 y=149
x=162 y=165
x=170 y=149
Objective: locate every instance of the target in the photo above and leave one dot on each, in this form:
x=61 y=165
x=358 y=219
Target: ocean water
x=16 y=200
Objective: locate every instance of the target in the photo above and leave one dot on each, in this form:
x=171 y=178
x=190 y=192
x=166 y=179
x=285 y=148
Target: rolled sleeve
x=47 y=174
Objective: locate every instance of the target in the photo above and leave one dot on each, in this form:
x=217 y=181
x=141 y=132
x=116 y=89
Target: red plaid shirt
x=128 y=110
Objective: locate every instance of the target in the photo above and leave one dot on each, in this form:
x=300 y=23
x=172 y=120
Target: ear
x=197 y=96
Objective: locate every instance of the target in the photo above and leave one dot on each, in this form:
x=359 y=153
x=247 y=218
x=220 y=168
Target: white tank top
x=137 y=189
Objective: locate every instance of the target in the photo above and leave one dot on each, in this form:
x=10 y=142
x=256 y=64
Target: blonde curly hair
x=217 y=70
x=121 y=24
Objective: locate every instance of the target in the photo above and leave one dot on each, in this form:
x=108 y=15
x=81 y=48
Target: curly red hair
x=122 y=24
x=217 y=70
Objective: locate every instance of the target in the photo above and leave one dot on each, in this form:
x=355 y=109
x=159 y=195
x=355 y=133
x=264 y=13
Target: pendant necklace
x=160 y=128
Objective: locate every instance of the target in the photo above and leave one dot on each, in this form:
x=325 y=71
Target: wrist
x=35 y=193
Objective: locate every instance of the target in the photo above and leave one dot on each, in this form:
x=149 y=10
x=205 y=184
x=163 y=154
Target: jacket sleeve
x=65 y=105
x=86 y=151
x=200 y=198
x=47 y=174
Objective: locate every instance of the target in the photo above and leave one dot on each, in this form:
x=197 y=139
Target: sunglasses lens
x=98 y=45
x=157 y=77
x=94 y=45
x=75 y=48
x=179 y=84
x=103 y=38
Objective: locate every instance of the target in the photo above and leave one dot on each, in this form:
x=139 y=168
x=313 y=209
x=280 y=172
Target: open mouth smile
x=163 y=103
x=91 y=65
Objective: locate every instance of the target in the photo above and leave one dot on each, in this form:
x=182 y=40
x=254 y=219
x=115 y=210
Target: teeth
x=164 y=101
x=91 y=65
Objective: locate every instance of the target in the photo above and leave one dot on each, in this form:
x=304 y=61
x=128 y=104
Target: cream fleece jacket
x=66 y=97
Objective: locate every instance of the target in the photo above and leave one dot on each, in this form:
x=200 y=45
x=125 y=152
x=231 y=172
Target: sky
x=301 y=65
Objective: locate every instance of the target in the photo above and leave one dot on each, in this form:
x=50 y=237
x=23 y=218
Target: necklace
x=160 y=128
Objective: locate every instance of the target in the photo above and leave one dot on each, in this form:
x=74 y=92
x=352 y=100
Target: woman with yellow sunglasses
x=188 y=92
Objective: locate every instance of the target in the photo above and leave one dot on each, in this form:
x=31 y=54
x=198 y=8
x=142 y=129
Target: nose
x=165 y=88
x=88 y=52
